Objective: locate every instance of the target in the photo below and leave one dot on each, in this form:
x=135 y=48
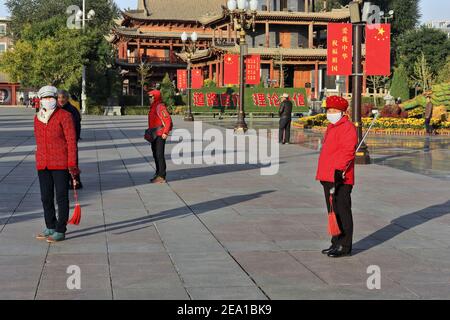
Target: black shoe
x=339 y=252
x=325 y=251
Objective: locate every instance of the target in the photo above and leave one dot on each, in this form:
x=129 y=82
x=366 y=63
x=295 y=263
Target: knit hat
x=337 y=102
x=47 y=91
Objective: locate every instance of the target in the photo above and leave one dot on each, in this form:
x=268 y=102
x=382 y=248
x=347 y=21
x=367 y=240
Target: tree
x=168 y=91
x=422 y=73
x=406 y=16
x=444 y=73
x=399 y=85
x=433 y=43
x=144 y=72
x=377 y=82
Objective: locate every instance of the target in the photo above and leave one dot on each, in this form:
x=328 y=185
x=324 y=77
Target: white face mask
x=334 y=117
x=48 y=104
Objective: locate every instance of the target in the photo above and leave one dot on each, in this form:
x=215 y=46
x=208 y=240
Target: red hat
x=337 y=102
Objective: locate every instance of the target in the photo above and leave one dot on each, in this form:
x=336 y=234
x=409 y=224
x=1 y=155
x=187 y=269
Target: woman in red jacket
x=336 y=170
x=56 y=158
x=159 y=119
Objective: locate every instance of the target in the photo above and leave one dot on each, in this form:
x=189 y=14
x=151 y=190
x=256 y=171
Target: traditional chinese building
x=8 y=89
x=289 y=36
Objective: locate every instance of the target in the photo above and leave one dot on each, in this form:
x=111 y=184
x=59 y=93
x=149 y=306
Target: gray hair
x=64 y=93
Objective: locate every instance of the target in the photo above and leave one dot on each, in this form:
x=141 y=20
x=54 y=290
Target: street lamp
x=242 y=14
x=190 y=49
x=388 y=16
x=81 y=16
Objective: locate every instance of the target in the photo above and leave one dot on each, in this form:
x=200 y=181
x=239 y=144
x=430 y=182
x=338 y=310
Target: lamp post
x=242 y=15
x=388 y=16
x=362 y=156
x=81 y=16
x=190 y=49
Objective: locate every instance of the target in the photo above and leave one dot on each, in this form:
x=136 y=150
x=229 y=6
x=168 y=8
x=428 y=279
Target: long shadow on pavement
x=402 y=224
x=199 y=208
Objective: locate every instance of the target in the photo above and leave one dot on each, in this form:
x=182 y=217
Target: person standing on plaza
x=56 y=161
x=336 y=172
x=160 y=121
x=428 y=115
x=64 y=103
x=285 y=113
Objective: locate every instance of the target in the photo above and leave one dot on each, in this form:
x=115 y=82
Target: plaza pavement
x=214 y=232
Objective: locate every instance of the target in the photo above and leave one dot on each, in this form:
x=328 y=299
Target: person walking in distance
x=56 y=160
x=428 y=115
x=285 y=114
x=160 y=122
x=336 y=173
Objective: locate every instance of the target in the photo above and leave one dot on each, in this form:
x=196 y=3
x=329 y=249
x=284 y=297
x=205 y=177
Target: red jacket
x=159 y=116
x=338 y=150
x=56 y=142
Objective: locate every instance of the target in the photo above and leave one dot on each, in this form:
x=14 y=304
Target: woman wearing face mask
x=338 y=154
x=56 y=160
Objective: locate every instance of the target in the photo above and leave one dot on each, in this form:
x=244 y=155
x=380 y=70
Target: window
x=2 y=47
x=283 y=5
x=2 y=29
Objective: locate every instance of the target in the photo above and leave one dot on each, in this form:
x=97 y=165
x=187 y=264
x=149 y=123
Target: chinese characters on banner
x=339 y=46
x=196 y=79
x=231 y=69
x=378 y=50
x=253 y=69
x=182 y=79
x=214 y=99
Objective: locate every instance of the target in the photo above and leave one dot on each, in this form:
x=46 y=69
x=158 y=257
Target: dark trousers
x=158 y=149
x=428 y=126
x=342 y=204
x=49 y=181
x=285 y=129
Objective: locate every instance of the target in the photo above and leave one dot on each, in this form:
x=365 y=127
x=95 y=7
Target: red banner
x=182 y=79
x=339 y=46
x=378 y=49
x=196 y=79
x=231 y=69
x=253 y=69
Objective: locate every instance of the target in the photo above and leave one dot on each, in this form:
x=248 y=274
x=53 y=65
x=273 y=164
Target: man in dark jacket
x=285 y=113
x=428 y=115
x=63 y=102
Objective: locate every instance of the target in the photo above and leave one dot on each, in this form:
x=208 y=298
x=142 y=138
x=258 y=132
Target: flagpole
x=362 y=156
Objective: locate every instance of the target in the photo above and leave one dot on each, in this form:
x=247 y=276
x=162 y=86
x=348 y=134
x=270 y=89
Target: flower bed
x=409 y=126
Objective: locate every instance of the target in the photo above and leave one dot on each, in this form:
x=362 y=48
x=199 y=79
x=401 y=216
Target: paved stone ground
x=214 y=232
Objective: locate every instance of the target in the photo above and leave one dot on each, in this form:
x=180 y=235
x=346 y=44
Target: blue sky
x=431 y=9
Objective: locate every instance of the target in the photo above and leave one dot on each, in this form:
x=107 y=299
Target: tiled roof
x=134 y=33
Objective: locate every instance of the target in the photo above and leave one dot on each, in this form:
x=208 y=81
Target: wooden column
x=306 y=5
x=220 y=73
x=13 y=95
x=210 y=75
x=228 y=33
x=217 y=73
x=310 y=35
x=267 y=34
x=316 y=79
x=171 y=52
x=271 y=75
x=139 y=49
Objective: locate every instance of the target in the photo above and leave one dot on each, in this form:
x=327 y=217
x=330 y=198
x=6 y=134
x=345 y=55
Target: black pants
x=158 y=149
x=285 y=130
x=428 y=127
x=342 y=204
x=49 y=181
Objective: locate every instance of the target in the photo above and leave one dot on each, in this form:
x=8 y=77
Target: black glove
x=338 y=179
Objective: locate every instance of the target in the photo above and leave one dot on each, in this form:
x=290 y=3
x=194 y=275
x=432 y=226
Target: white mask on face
x=334 y=117
x=48 y=104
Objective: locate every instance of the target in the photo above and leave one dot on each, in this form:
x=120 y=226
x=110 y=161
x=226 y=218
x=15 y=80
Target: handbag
x=150 y=134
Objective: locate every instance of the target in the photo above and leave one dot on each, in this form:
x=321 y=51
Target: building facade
x=443 y=25
x=8 y=89
x=289 y=35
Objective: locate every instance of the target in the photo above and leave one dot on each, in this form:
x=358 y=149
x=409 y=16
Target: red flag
x=252 y=69
x=182 y=79
x=231 y=66
x=339 y=49
x=196 y=79
x=378 y=49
